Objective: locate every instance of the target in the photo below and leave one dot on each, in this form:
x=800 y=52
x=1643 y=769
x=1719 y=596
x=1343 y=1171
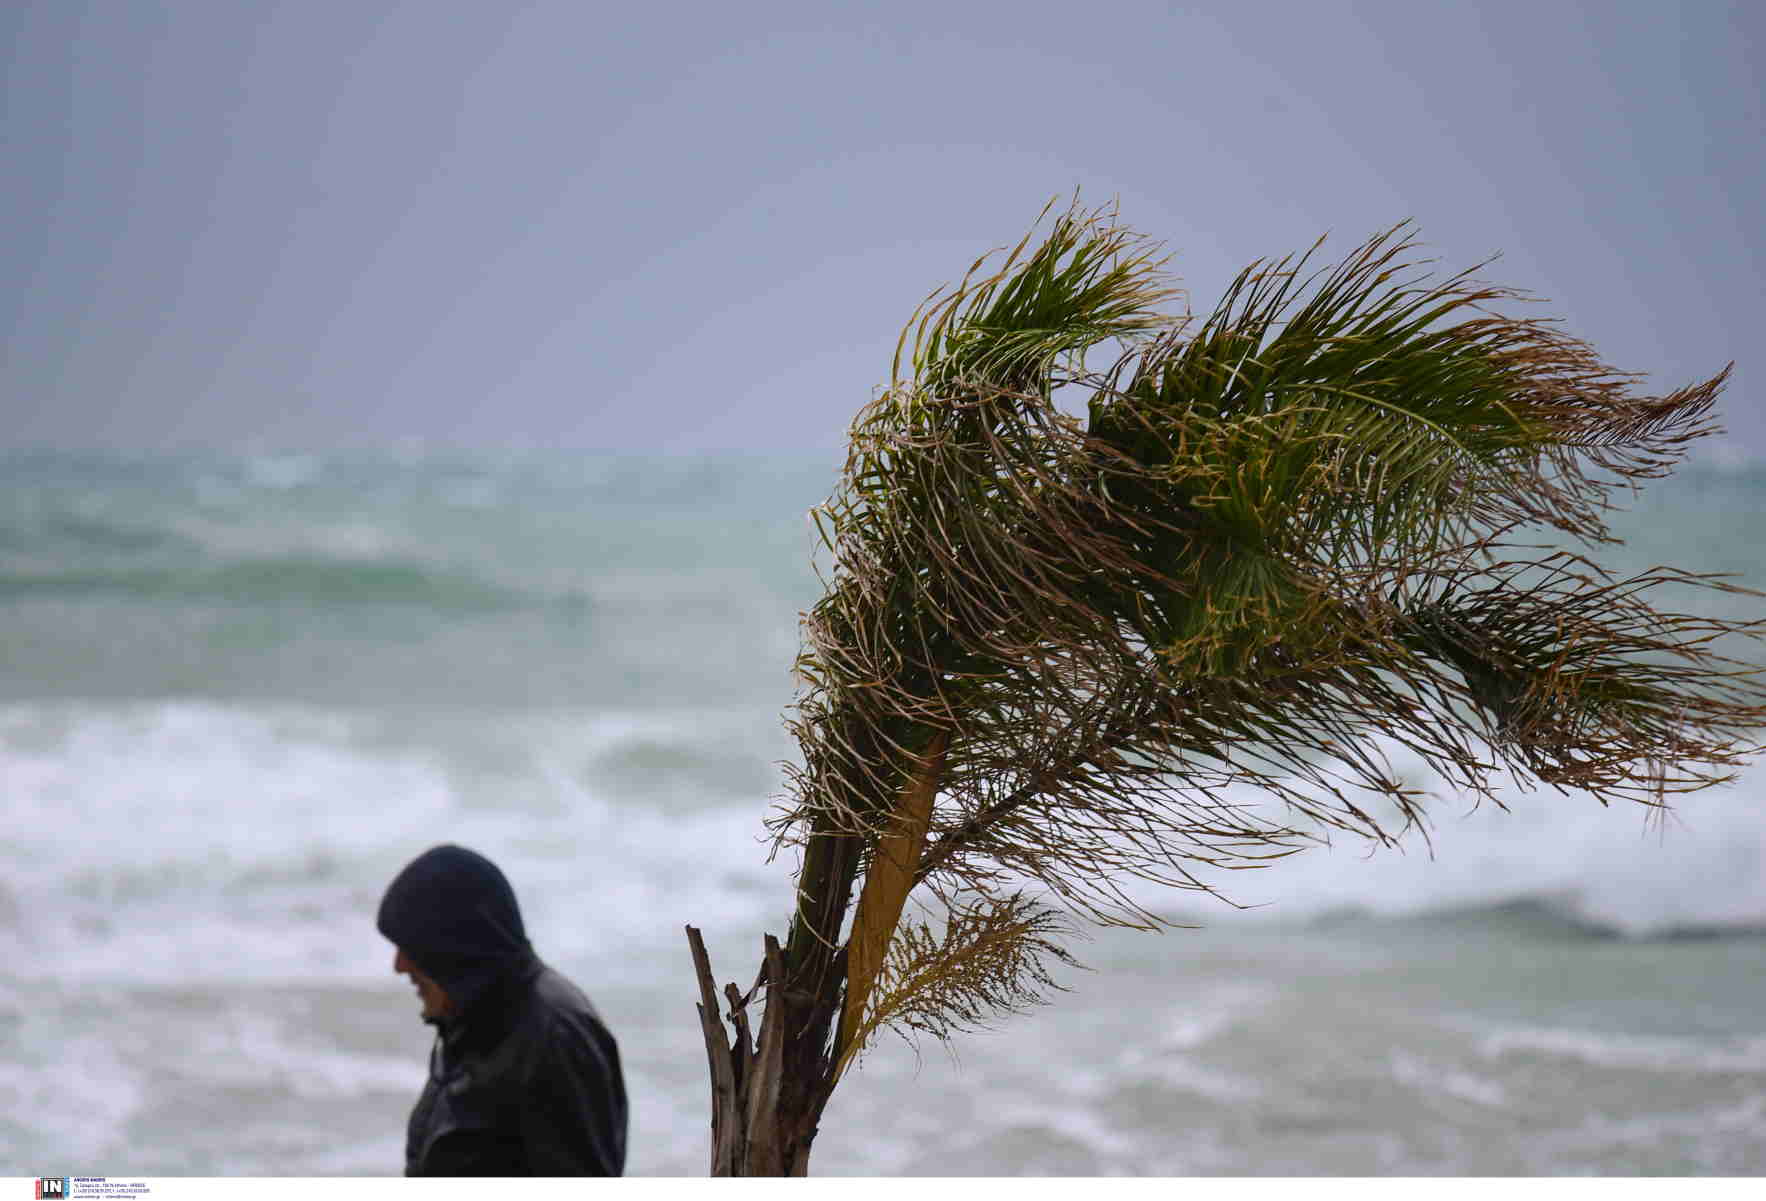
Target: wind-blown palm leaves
x=1053 y=653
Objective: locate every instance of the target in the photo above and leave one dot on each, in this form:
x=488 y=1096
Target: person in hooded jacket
x=524 y=1077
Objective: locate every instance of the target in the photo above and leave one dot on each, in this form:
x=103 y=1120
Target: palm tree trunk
x=765 y=1103
x=768 y=1088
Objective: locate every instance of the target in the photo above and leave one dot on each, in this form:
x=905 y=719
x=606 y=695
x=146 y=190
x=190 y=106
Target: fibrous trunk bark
x=768 y=1087
x=765 y=1101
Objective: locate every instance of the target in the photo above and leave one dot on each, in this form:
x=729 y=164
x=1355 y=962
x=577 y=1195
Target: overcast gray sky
x=686 y=227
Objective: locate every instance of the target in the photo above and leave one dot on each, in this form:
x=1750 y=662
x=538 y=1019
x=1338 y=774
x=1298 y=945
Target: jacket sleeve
x=574 y=1115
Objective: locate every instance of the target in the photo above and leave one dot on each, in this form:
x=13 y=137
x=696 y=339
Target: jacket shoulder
x=574 y=1099
x=557 y=1007
x=556 y=997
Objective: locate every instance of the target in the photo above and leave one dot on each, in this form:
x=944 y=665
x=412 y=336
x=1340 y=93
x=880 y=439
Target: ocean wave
x=279 y=581
x=188 y=830
x=181 y=842
x=1627 y=1052
x=1560 y=862
x=1562 y=917
x=88 y=533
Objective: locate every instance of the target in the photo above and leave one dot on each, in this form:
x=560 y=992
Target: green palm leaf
x=1054 y=657
x=1274 y=540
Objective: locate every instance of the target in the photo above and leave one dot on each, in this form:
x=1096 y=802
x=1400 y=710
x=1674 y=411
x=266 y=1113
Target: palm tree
x=1282 y=533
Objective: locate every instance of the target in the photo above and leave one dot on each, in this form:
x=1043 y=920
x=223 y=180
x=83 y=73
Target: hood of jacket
x=453 y=914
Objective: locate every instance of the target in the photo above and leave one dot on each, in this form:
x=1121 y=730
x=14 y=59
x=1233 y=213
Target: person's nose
x=400 y=964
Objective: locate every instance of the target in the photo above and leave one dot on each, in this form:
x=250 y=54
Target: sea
x=238 y=692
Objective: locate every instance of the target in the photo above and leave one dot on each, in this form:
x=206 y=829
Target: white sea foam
x=1628 y=1052
x=246 y=1048
x=1433 y=1078
x=76 y=1090
x=281 y=472
x=1623 y=866
x=1719 y=1141
x=1184 y=1075
x=196 y=841
x=1204 y=1014
x=258 y=536
x=181 y=842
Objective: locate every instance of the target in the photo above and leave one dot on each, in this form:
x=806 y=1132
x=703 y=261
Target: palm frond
x=1282 y=538
x=992 y=957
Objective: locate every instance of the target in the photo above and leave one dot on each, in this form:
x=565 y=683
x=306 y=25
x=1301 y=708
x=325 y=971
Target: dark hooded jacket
x=525 y=1079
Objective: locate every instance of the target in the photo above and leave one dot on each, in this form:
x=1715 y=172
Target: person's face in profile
x=436 y=1003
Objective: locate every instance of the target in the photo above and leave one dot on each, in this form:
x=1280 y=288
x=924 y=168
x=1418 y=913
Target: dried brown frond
x=992 y=958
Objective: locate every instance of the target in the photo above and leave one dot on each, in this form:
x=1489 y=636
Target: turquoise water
x=237 y=694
